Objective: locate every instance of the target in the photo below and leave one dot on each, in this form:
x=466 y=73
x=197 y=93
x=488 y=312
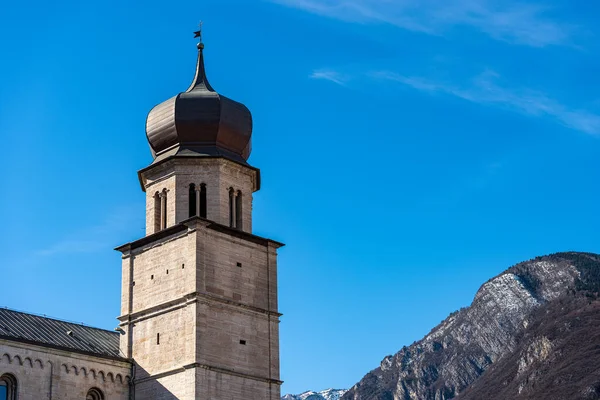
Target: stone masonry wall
x=216 y=173
x=161 y=273
x=177 y=386
x=237 y=340
x=240 y=178
x=237 y=269
x=242 y=275
x=208 y=174
x=161 y=179
x=216 y=386
x=164 y=342
x=46 y=373
x=217 y=314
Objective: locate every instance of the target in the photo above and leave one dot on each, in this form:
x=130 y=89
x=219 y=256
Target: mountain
x=532 y=332
x=328 y=394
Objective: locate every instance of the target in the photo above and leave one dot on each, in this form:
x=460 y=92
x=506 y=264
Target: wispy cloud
x=486 y=89
x=102 y=236
x=330 y=75
x=71 y=246
x=522 y=22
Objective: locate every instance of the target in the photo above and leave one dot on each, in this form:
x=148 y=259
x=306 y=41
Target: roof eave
x=64 y=348
x=185 y=225
x=175 y=156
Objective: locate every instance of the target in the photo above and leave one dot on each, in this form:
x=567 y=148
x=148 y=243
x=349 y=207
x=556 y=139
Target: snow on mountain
x=530 y=329
x=327 y=394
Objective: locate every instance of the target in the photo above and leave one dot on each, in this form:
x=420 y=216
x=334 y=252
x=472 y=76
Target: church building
x=199 y=316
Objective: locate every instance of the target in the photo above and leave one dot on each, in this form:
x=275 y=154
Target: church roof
x=200 y=122
x=49 y=332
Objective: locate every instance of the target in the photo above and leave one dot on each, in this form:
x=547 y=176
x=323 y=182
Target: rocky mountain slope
x=533 y=332
x=328 y=394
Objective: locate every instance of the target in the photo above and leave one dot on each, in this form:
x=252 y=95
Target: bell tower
x=199 y=314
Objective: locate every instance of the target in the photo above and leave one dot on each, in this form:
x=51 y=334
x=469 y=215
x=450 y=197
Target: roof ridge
x=56 y=319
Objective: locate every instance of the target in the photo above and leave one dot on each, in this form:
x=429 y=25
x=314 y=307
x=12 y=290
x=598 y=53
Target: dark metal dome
x=200 y=122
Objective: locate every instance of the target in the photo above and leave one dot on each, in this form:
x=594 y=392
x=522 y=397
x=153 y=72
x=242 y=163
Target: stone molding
x=196 y=297
x=67 y=368
x=210 y=368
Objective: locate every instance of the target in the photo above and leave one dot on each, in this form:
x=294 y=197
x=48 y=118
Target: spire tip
x=198 y=34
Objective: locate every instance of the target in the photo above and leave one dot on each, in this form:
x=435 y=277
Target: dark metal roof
x=200 y=121
x=183 y=226
x=44 y=331
x=190 y=154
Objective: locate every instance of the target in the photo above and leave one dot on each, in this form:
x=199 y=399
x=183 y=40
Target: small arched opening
x=94 y=394
x=156 y=212
x=163 y=209
x=192 y=199
x=203 y=200
x=8 y=387
x=238 y=210
x=231 y=208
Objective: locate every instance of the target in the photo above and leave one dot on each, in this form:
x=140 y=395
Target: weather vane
x=198 y=34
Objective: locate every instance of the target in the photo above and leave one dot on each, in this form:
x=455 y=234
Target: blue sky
x=410 y=150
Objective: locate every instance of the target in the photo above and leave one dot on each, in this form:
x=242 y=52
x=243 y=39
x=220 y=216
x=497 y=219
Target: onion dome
x=200 y=122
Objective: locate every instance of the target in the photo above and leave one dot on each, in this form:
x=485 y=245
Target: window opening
x=8 y=387
x=157 y=212
x=163 y=209
x=94 y=394
x=231 y=208
x=238 y=210
x=192 y=200
x=203 y=200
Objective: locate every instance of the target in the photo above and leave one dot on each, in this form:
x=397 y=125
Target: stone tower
x=199 y=292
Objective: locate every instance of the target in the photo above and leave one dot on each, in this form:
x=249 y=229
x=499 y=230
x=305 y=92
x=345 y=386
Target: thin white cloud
x=105 y=235
x=485 y=89
x=71 y=246
x=330 y=75
x=516 y=22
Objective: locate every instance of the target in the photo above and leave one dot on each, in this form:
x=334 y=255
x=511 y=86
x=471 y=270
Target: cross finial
x=198 y=34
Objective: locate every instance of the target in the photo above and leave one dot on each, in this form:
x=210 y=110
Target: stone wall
x=218 y=174
x=237 y=269
x=240 y=178
x=237 y=340
x=163 y=180
x=218 y=386
x=179 y=385
x=164 y=341
x=217 y=314
x=162 y=272
x=47 y=373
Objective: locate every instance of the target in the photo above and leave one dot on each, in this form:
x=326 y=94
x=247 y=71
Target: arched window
x=231 y=208
x=192 y=200
x=197 y=200
x=160 y=210
x=238 y=210
x=163 y=209
x=157 y=209
x=8 y=387
x=94 y=394
x=203 y=200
